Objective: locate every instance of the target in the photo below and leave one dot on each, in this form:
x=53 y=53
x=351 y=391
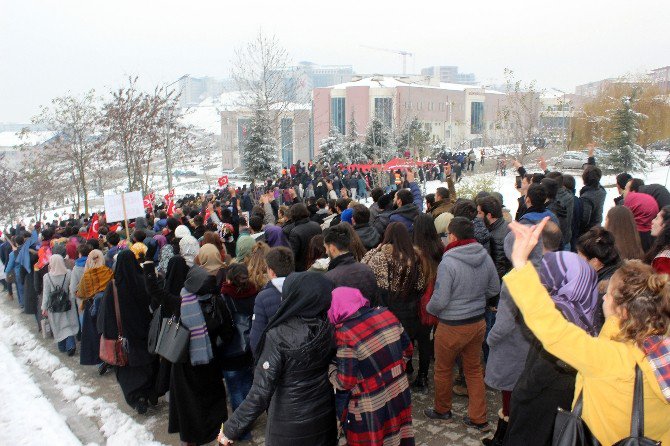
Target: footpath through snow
x=26 y=415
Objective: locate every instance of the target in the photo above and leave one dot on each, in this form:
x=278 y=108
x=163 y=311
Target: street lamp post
x=168 y=158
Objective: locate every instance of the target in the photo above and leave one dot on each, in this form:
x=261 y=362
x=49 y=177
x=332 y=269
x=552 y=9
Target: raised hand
x=525 y=239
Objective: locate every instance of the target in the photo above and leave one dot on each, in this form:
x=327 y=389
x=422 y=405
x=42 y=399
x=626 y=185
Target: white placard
x=114 y=206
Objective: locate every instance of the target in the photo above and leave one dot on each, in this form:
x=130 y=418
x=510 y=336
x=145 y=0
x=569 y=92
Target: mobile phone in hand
x=518 y=181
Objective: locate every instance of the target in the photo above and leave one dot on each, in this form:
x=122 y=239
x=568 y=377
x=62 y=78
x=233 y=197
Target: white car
x=573 y=160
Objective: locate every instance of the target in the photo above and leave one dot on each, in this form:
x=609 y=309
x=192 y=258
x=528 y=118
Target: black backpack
x=59 y=298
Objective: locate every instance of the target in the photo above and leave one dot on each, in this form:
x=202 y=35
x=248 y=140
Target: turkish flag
x=149 y=202
x=93 y=228
x=223 y=180
x=207 y=215
x=169 y=203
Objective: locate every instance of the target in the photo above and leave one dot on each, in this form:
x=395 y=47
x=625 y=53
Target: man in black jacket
x=361 y=222
x=343 y=269
x=592 y=196
x=301 y=234
x=490 y=210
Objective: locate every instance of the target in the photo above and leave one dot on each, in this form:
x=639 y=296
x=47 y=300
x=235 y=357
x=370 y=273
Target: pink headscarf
x=346 y=301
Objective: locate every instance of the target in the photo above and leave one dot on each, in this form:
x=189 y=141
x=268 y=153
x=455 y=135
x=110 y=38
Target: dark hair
x=536 y=177
x=315 y=250
x=321 y=203
x=569 y=182
x=621 y=224
x=551 y=186
x=404 y=261
x=139 y=235
x=462 y=228
x=47 y=234
x=162 y=215
x=280 y=260
x=337 y=235
x=376 y=194
x=663 y=239
x=356 y=246
x=442 y=192
x=342 y=203
x=299 y=211
x=591 y=176
x=552 y=238
x=430 y=199
x=242 y=221
x=465 y=208
x=429 y=244
x=256 y=222
x=238 y=275
x=537 y=195
x=84 y=249
x=361 y=214
x=599 y=243
x=622 y=179
x=405 y=196
x=94 y=243
x=172 y=223
x=635 y=184
x=384 y=201
x=490 y=205
x=198 y=220
x=556 y=176
x=113 y=238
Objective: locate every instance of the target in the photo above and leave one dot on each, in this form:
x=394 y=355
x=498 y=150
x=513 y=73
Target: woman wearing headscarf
x=274 y=236
x=188 y=248
x=372 y=347
x=137 y=377
x=197 y=405
x=210 y=259
x=291 y=376
x=90 y=290
x=546 y=382
x=64 y=325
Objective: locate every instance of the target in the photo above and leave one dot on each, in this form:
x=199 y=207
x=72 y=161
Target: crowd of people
x=303 y=301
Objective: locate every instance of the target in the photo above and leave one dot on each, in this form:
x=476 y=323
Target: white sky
x=48 y=48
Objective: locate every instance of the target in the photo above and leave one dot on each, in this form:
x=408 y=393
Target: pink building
x=457 y=114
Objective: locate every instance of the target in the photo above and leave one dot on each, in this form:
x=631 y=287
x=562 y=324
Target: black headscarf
x=306 y=294
x=175 y=276
x=133 y=297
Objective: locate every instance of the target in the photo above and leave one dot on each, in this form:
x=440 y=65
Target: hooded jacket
x=369 y=236
x=534 y=215
x=405 y=214
x=593 y=200
x=499 y=231
x=644 y=209
x=566 y=199
x=558 y=209
x=466 y=278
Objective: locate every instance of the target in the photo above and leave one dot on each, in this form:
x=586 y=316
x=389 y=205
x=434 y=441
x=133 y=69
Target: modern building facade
x=462 y=116
x=450 y=74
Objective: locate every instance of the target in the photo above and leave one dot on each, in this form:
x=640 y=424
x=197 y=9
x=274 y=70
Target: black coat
x=593 y=200
x=299 y=238
x=291 y=382
x=659 y=192
x=369 y=235
x=499 y=231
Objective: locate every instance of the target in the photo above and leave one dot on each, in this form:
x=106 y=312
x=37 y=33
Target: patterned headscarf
x=573 y=286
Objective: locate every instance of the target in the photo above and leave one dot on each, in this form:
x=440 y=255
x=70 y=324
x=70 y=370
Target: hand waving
x=525 y=239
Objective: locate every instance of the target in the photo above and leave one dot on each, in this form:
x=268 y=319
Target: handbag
x=46 y=328
x=11 y=277
x=637 y=437
x=155 y=330
x=425 y=317
x=115 y=351
x=173 y=341
x=240 y=343
x=570 y=429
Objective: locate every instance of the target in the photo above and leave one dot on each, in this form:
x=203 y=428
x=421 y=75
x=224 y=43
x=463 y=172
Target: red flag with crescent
x=223 y=180
x=93 y=228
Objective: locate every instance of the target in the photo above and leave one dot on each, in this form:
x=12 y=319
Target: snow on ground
x=26 y=415
x=24 y=410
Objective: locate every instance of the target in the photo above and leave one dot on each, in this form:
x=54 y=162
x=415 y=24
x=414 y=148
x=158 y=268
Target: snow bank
x=116 y=426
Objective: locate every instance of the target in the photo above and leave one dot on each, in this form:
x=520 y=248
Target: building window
x=243 y=126
x=476 y=118
x=384 y=111
x=337 y=114
x=287 y=141
x=430 y=106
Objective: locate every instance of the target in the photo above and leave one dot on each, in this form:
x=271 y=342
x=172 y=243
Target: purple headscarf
x=573 y=286
x=274 y=236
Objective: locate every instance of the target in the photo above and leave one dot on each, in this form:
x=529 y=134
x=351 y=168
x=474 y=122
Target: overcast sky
x=49 y=48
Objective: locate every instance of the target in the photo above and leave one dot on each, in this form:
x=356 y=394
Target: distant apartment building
x=661 y=77
x=196 y=89
x=450 y=74
x=462 y=116
x=592 y=89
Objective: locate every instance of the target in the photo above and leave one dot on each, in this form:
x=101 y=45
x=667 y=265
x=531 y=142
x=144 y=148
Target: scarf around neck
x=458 y=243
x=200 y=347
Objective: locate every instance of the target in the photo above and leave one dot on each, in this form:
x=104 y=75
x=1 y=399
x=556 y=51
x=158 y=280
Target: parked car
x=184 y=173
x=573 y=160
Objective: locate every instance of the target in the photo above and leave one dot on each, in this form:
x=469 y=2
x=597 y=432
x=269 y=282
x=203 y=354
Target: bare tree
x=263 y=74
x=10 y=199
x=39 y=181
x=76 y=122
x=521 y=113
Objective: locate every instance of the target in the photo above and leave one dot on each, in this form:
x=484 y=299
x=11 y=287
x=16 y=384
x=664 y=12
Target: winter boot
x=420 y=384
x=499 y=434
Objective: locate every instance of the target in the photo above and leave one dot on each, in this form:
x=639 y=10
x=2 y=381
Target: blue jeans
x=19 y=289
x=67 y=344
x=238 y=383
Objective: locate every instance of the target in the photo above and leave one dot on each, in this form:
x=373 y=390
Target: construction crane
x=403 y=53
